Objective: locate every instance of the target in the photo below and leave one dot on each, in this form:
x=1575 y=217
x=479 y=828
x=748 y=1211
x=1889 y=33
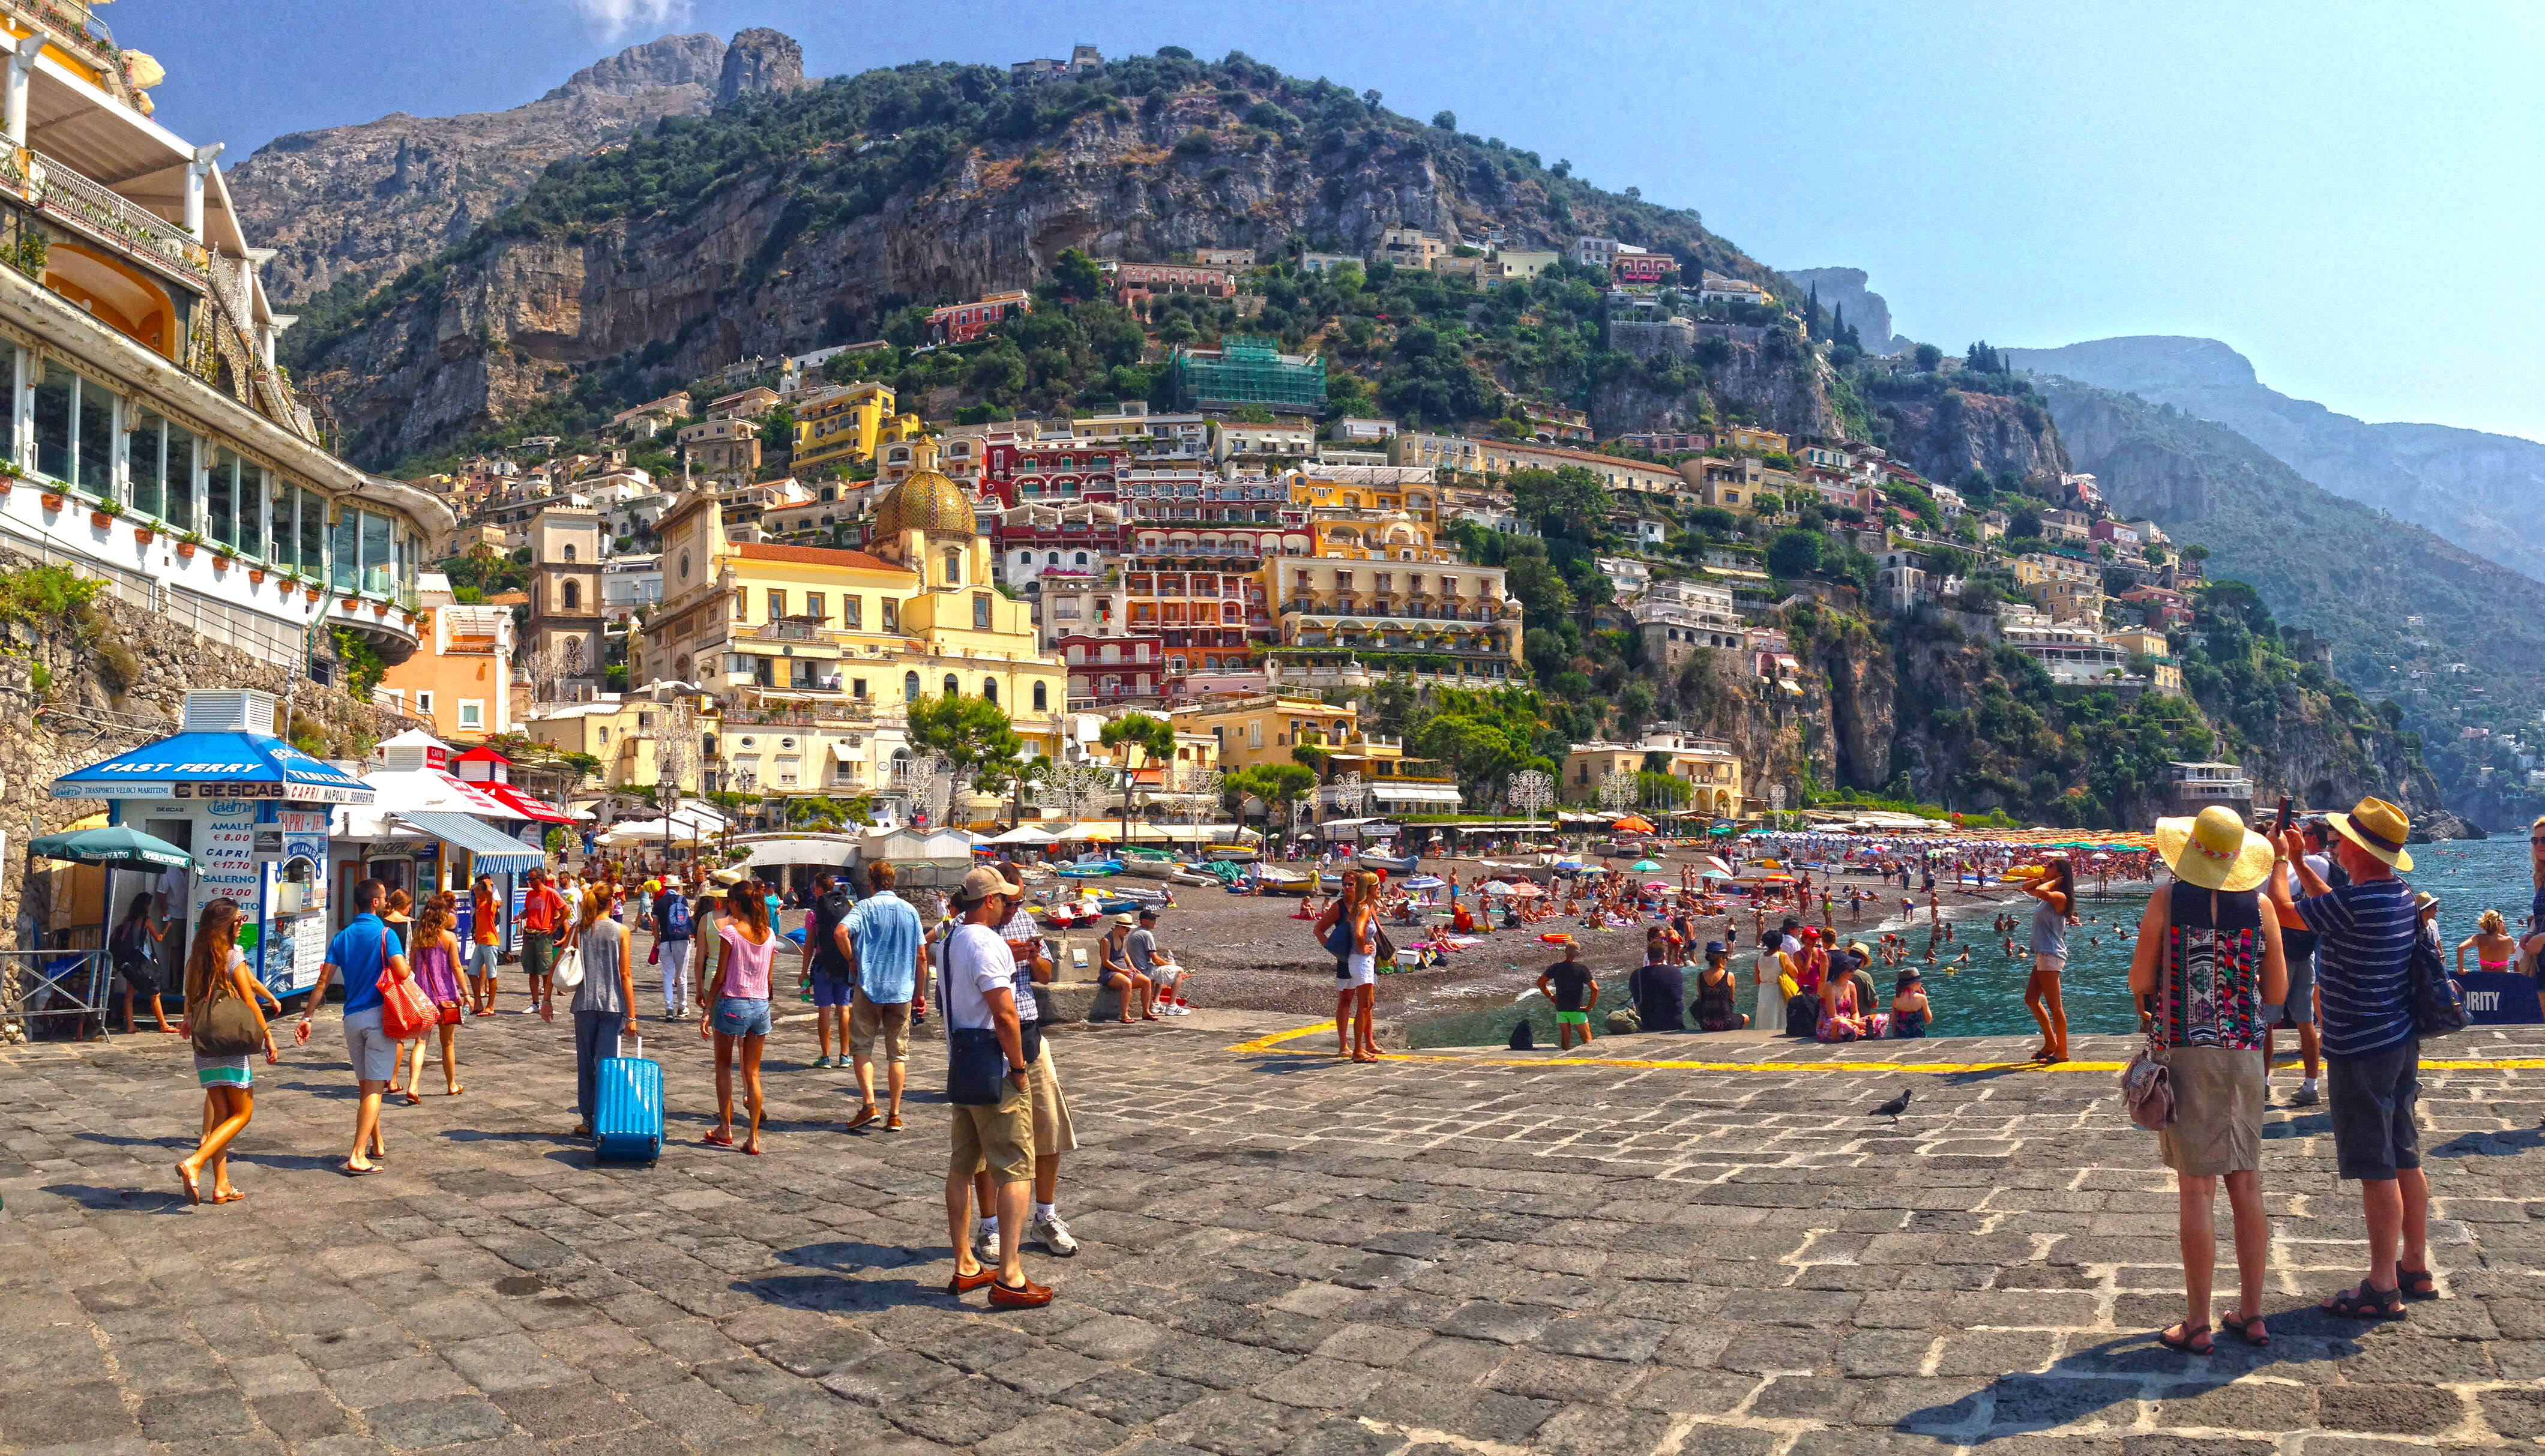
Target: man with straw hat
x=2372 y=1057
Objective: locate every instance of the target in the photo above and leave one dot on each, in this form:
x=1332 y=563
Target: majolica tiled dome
x=927 y=501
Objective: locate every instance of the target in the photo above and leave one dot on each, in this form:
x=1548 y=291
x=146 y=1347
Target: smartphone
x=2287 y=816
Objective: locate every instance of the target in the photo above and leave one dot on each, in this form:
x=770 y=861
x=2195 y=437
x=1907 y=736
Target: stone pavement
x=1281 y=1254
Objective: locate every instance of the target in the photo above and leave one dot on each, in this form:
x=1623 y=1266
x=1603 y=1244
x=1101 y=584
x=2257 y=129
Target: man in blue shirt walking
x=2372 y=1056
x=878 y=942
x=357 y=952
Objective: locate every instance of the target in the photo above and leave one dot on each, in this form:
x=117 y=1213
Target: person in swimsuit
x=2493 y=948
x=1910 y=1010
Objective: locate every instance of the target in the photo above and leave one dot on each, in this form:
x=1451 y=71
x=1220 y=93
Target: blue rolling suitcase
x=628 y=1123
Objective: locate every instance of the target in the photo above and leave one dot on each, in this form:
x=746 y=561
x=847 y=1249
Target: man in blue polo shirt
x=2371 y=1054
x=357 y=952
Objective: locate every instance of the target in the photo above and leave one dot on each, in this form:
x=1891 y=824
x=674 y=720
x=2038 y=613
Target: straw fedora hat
x=2214 y=851
x=2377 y=827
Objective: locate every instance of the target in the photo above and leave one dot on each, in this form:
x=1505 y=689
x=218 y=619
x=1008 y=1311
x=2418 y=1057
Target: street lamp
x=1529 y=790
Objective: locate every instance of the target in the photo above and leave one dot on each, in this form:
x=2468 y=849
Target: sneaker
x=821 y=1064
x=2305 y=1096
x=985 y=1243
x=1048 y=1231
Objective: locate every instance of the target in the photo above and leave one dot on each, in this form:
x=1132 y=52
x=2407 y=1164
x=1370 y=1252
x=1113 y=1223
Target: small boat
x=1090 y=867
x=1233 y=853
x=1155 y=864
x=1367 y=860
x=1284 y=881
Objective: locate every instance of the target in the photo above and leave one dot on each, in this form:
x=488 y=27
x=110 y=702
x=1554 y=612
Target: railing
x=66 y=193
x=66 y=982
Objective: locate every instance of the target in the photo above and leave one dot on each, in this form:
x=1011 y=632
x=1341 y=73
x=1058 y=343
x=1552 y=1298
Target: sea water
x=1984 y=996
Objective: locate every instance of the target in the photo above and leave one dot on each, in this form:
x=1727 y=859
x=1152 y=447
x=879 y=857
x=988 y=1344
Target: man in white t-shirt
x=980 y=991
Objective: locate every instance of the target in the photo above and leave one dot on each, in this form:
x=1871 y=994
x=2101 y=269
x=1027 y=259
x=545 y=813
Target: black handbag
x=2437 y=1009
x=976 y=1068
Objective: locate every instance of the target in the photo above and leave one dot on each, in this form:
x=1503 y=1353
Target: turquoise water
x=1984 y=997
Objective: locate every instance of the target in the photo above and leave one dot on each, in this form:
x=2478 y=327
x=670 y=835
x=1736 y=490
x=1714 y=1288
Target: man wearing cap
x=2365 y=930
x=1150 y=959
x=1054 y=1133
x=980 y=991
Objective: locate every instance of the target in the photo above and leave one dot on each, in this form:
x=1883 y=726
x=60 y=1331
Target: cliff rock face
x=516 y=314
x=760 y=59
x=1767 y=379
x=370 y=200
x=1945 y=436
x=1842 y=291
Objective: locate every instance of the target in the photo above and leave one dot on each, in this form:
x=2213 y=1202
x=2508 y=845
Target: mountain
x=809 y=216
x=2398 y=602
x=1842 y=291
x=2477 y=490
x=363 y=203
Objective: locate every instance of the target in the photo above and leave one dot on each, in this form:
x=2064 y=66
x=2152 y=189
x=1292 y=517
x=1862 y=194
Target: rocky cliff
x=1845 y=291
x=1952 y=433
x=801 y=217
x=365 y=202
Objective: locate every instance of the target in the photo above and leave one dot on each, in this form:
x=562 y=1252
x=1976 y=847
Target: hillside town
x=1231 y=560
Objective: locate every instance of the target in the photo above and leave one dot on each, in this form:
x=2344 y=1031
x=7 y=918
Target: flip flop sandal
x=350 y=1171
x=2365 y=1303
x=2416 y=1284
x=2190 y=1332
x=718 y=1140
x=186 y=1181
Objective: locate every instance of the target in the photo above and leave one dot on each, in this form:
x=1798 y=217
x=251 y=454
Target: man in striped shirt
x=2373 y=1058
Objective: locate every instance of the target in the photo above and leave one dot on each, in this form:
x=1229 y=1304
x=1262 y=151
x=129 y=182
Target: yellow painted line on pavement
x=1274 y=1044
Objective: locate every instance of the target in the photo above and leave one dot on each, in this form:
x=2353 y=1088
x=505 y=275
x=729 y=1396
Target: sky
x=2342 y=193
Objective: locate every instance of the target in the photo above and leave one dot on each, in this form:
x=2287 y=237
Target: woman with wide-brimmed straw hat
x=2213 y=960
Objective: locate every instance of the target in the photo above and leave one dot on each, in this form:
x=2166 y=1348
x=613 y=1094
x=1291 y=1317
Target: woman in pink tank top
x=738 y=995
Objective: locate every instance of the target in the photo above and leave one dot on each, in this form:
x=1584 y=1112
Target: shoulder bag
x=2437 y=1009
x=405 y=1010
x=976 y=1066
x=226 y=1026
x=2147 y=1084
x=567 y=972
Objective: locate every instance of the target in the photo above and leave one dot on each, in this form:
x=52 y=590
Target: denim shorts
x=832 y=992
x=736 y=1016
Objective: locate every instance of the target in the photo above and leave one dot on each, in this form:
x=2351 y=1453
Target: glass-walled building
x=152 y=437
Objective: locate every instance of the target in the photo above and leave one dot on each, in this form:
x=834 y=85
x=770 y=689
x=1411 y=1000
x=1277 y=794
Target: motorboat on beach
x=1155 y=864
x=1275 y=881
x=1089 y=867
x=1367 y=860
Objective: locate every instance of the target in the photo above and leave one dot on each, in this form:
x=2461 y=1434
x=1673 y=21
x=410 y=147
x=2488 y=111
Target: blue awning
x=215 y=766
x=491 y=851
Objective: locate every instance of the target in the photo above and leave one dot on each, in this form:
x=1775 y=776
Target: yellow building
x=624 y=735
x=840 y=642
x=1420 y=499
x=1709 y=766
x=845 y=425
x=1248 y=732
x=1747 y=439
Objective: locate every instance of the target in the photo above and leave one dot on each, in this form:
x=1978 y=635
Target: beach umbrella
x=1497 y=887
x=117 y=847
x=1643 y=865
x=1527 y=892
x=1656 y=884
x=1633 y=823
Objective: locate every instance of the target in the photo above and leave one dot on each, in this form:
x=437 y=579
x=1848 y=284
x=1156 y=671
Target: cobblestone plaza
x=1479 y=1252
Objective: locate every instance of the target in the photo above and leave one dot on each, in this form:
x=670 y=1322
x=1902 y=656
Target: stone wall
x=112 y=677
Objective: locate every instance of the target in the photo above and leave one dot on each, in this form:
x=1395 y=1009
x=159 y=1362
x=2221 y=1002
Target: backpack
x=1803 y=1015
x=676 y=917
x=2437 y=1009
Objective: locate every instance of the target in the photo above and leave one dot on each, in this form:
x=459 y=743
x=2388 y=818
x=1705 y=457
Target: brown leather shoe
x=962 y=1284
x=1033 y=1296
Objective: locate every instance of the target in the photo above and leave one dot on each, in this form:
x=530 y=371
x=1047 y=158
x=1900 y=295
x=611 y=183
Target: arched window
x=1041 y=699
x=573 y=596
x=989 y=689
x=910 y=687
x=569 y=551
x=953 y=687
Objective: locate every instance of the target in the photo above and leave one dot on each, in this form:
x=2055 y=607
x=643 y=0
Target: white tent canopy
x=1024 y=834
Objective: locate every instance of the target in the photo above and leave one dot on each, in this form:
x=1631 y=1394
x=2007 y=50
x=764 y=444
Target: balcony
x=98 y=216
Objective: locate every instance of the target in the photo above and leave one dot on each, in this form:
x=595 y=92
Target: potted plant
x=256 y=576
x=352 y=604
x=102 y=514
x=312 y=588
x=52 y=499
x=186 y=545
x=143 y=534
x=222 y=558
x=379 y=609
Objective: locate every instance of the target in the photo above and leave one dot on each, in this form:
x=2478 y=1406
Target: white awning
x=1414 y=793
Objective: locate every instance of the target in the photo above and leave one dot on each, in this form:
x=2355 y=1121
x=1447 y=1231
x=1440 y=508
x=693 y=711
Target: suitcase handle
x=622 y=1049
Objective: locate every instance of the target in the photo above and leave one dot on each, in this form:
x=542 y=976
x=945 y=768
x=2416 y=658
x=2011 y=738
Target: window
x=75 y=431
x=424 y=702
x=852 y=612
x=989 y=690
x=282 y=536
x=910 y=687
x=776 y=605
x=1082 y=558
x=472 y=713
x=817 y=607
x=953 y=687
x=604 y=735
x=347 y=574
x=857 y=688
x=1255 y=735
x=569 y=551
x=891 y=615
x=375 y=553
x=980 y=611
x=573 y=596
x=1041 y=697
x=222 y=499
x=954 y=568
x=148 y=467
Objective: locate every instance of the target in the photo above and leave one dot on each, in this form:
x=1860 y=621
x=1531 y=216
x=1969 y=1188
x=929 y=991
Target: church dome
x=927 y=501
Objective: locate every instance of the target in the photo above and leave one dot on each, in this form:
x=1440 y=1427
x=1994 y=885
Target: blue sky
x=2348 y=194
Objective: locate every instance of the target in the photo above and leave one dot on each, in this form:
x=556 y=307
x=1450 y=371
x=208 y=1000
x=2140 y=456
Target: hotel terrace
x=153 y=440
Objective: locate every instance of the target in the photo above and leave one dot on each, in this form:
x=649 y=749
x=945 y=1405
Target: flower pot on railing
x=379 y=609
x=185 y=550
x=52 y=499
x=101 y=519
x=351 y=604
x=256 y=576
x=313 y=593
x=144 y=535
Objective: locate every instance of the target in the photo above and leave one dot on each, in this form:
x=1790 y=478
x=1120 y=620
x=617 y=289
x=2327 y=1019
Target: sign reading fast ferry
x=215 y=766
